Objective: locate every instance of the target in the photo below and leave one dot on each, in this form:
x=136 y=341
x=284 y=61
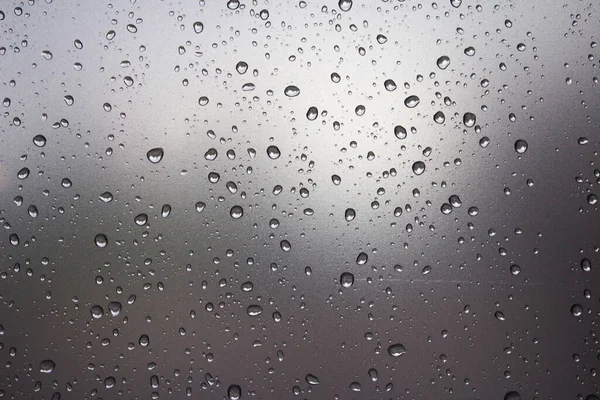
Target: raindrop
x=396 y=350
x=273 y=152
x=141 y=219
x=155 y=155
x=521 y=146
x=236 y=212
x=234 y=392
x=350 y=214
x=39 y=140
x=254 y=310
x=412 y=101
x=312 y=380
x=469 y=119
x=443 y=62
x=101 y=240
x=418 y=167
x=345 y=5
x=346 y=279
x=389 y=85
x=198 y=27
x=97 y=312
x=291 y=91
x=312 y=113
x=47 y=366
x=400 y=132
x=362 y=258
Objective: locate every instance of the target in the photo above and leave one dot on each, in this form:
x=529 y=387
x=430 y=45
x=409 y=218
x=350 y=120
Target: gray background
x=456 y=347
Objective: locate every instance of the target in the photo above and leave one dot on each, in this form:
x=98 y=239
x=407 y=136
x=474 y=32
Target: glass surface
x=299 y=199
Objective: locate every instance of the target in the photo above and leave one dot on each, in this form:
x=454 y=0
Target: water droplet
x=346 y=279
x=418 y=167
x=114 y=307
x=78 y=44
x=155 y=155
x=141 y=219
x=336 y=179
x=362 y=258
x=345 y=5
x=23 y=173
x=577 y=310
x=443 y=62
x=312 y=113
x=381 y=39
x=396 y=350
x=389 y=85
x=285 y=245
x=439 y=117
x=39 y=140
x=273 y=152
x=200 y=206
x=512 y=396
x=110 y=35
x=586 y=265
x=412 y=101
x=592 y=199
x=144 y=340
x=254 y=310
x=241 y=67
x=373 y=374
x=47 y=54
x=312 y=380
x=291 y=91
x=350 y=214
x=469 y=119
x=47 y=366
x=236 y=212
x=69 y=100
x=499 y=316
x=400 y=132
x=203 y=100
x=97 y=312
x=198 y=27
x=165 y=211
x=106 y=197
x=234 y=392
x=101 y=240
x=521 y=146
x=455 y=3
x=470 y=51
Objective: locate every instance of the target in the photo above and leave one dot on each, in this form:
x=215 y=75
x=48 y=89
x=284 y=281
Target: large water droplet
x=521 y=146
x=47 y=366
x=198 y=27
x=273 y=152
x=291 y=91
x=254 y=310
x=418 y=167
x=155 y=155
x=412 y=101
x=443 y=62
x=345 y=5
x=469 y=119
x=101 y=240
x=396 y=350
x=234 y=392
x=312 y=380
x=350 y=214
x=346 y=279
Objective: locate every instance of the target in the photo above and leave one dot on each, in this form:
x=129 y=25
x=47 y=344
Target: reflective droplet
x=236 y=212
x=577 y=310
x=273 y=152
x=396 y=350
x=155 y=155
x=469 y=119
x=200 y=206
x=165 y=211
x=470 y=51
x=346 y=279
x=455 y=3
x=198 y=27
x=350 y=214
x=203 y=100
x=241 y=67
x=362 y=258
x=355 y=387
x=47 y=366
x=97 y=312
x=47 y=54
x=234 y=392
x=106 y=197
x=389 y=85
x=586 y=265
x=39 y=140
x=439 y=117
x=101 y=240
x=418 y=167
x=443 y=62
x=499 y=316
x=23 y=173
x=312 y=380
x=114 y=307
x=521 y=146
x=141 y=219
x=400 y=132
x=285 y=245
x=312 y=113
x=412 y=101
x=345 y=5
x=291 y=91
x=254 y=310
x=512 y=396
x=144 y=340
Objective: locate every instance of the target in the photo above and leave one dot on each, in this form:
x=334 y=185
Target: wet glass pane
x=299 y=199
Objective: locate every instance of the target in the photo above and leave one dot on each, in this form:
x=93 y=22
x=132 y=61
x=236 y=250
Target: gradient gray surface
x=440 y=279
